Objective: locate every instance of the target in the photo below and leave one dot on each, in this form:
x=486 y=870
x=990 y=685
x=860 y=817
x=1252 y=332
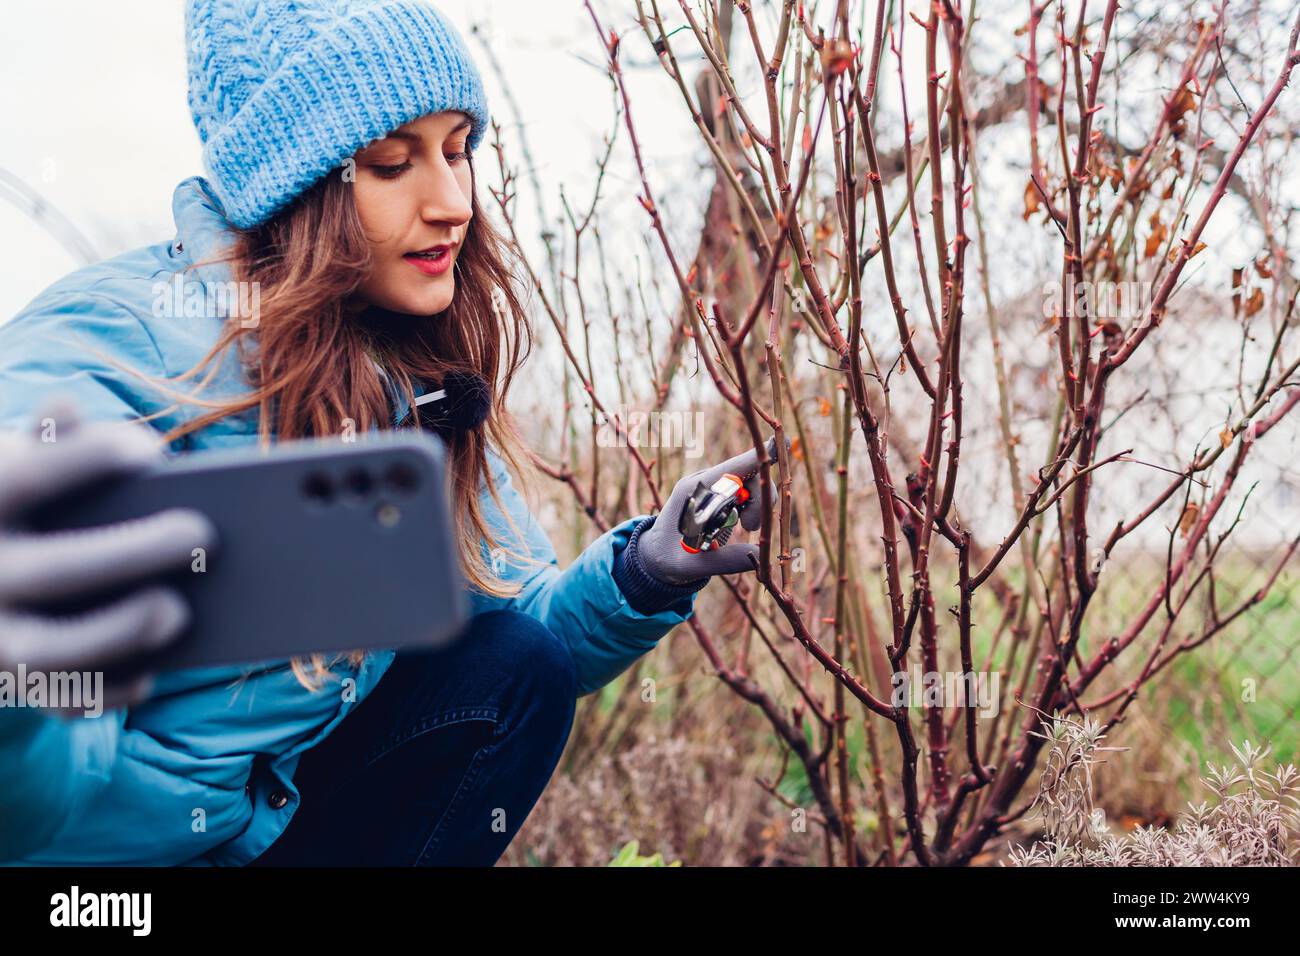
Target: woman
x=330 y=268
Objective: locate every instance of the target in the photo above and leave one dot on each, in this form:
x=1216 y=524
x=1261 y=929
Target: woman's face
x=413 y=191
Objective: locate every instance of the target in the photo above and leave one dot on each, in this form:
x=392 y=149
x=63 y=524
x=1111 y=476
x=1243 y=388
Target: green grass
x=1204 y=697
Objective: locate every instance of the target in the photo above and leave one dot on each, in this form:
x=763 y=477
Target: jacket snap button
x=278 y=799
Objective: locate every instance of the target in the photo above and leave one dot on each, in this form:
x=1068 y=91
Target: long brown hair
x=313 y=357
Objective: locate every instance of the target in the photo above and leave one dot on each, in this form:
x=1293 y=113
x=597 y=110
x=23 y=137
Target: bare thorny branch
x=794 y=134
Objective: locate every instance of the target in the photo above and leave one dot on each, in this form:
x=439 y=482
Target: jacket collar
x=202 y=230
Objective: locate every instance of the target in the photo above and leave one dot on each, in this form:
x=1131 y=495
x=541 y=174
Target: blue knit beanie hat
x=283 y=91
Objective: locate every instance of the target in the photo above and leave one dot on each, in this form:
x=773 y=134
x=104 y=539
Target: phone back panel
x=322 y=546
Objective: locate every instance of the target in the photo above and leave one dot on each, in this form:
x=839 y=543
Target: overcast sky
x=93 y=116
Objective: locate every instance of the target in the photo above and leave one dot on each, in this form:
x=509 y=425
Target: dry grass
x=1252 y=816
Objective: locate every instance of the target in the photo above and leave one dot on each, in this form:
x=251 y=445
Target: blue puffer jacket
x=202 y=771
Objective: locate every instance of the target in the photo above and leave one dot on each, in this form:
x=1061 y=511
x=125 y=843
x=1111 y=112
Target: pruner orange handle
x=742 y=493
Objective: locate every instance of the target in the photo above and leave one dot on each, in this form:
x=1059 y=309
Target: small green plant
x=630 y=856
x=1253 y=818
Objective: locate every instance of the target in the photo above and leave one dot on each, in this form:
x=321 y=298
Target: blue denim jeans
x=441 y=763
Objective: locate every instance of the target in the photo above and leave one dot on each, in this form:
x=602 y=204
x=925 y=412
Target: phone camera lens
x=318 y=488
x=402 y=478
x=358 y=483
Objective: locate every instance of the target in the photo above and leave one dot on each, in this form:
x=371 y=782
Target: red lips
x=433 y=261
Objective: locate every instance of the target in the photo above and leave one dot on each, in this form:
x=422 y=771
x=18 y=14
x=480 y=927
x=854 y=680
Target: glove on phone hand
x=38 y=568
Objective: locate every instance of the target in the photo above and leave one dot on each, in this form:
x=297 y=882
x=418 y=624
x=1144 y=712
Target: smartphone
x=322 y=546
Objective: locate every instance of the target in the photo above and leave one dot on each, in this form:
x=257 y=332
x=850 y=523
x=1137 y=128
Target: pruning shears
x=711 y=512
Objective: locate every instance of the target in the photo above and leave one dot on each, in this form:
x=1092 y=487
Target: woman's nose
x=444 y=200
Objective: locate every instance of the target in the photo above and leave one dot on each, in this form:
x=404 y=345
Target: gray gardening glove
x=659 y=547
x=40 y=568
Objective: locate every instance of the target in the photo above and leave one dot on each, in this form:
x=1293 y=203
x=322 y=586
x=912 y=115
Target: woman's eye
x=457 y=157
x=391 y=172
